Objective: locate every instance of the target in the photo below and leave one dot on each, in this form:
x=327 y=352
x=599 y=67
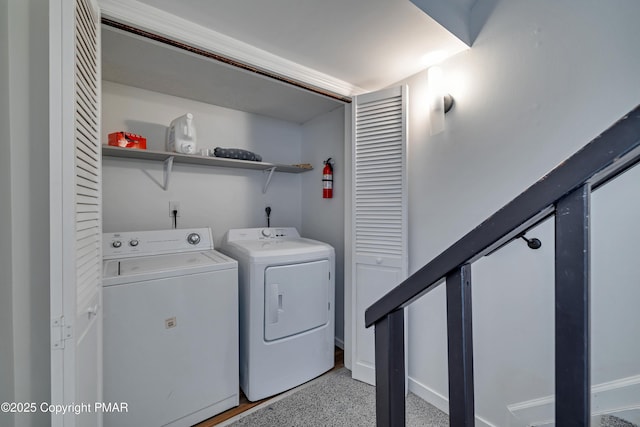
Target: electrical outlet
x=174 y=206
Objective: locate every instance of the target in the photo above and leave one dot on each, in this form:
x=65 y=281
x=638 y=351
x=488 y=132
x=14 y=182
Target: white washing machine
x=286 y=308
x=170 y=327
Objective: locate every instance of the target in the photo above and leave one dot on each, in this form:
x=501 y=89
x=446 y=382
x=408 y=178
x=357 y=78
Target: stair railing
x=564 y=192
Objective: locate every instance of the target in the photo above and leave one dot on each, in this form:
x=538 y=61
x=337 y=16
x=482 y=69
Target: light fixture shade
x=436 y=95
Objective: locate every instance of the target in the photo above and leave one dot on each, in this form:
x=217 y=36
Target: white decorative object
x=181 y=135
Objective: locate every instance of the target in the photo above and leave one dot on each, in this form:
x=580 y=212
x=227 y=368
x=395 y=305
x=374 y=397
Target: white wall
x=27 y=172
x=615 y=292
x=221 y=198
x=224 y=198
x=323 y=219
x=542 y=79
x=514 y=333
x=6 y=311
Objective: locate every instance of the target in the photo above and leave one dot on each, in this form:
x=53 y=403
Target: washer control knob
x=133 y=242
x=266 y=232
x=116 y=243
x=193 y=238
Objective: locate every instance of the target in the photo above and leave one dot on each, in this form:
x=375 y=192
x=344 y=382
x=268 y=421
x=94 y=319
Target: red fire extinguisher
x=327 y=180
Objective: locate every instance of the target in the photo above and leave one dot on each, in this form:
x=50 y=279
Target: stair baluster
x=460 y=343
x=573 y=388
x=390 y=370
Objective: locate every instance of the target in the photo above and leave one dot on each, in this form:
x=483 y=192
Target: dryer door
x=296 y=298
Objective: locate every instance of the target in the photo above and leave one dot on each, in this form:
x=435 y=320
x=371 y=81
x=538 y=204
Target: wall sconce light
x=440 y=102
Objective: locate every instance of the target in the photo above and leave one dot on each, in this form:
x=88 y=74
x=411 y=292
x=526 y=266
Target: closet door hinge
x=60 y=332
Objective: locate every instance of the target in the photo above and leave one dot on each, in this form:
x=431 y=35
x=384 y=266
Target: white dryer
x=170 y=327
x=286 y=308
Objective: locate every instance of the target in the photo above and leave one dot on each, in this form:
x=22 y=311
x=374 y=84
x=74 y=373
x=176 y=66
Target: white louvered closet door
x=76 y=221
x=379 y=211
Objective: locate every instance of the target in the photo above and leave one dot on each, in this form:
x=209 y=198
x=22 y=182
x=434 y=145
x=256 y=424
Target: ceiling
x=361 y=45
x=370 y=44
x=139 y=62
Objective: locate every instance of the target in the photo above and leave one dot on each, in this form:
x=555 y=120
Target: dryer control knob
x=133 y=242
x=266 y=232
x=193 y=238
x=116 y=244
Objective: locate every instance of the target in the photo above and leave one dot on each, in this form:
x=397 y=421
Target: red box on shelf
x=128 y=140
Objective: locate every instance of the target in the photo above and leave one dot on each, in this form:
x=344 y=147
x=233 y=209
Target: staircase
x=611 y=421
x=601 y=421
x=565 y=194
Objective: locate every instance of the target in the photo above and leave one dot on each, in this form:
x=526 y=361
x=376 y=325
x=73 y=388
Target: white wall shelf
x=170 y=158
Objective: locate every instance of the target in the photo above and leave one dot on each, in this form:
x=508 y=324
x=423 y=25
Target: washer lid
x=128 y=270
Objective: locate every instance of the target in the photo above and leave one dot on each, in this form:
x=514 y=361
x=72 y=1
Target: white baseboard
x=339 y=343
x=438 y=400
x=613 y=397
x=431 y=396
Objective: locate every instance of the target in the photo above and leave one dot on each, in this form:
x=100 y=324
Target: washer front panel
x=171 y=348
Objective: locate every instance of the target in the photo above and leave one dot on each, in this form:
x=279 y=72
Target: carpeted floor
x=611 y=421
x=333 y=400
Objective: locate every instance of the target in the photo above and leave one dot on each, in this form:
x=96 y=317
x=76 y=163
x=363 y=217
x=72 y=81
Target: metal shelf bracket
x=266 y=184
x=168 y=166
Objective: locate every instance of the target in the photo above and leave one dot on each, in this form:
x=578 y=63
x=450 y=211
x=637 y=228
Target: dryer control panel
x=270 y=233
